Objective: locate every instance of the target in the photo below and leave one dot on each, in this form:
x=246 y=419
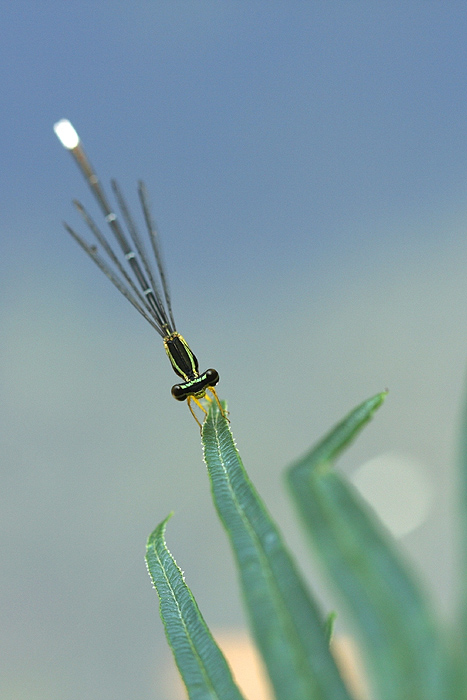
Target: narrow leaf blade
x=286 y=623
x=460 y=632
x=395 y=623
x=200 y=661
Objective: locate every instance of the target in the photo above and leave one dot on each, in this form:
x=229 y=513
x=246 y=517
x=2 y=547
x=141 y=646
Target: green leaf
x=200 y=661
x=460 y=637
x=287 y=626
x=395 y=623
x=328 y=627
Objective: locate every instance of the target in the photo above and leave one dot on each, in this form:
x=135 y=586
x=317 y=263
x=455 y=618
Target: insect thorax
x=184 y=361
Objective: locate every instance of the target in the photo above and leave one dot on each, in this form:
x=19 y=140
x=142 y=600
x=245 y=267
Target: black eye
x=178 y=392
x=213 y=376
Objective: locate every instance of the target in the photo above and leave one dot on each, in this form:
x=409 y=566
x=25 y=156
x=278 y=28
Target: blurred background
x=307 y=166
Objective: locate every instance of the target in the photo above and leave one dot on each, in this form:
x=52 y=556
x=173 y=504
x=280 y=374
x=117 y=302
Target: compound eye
x=212 y=375
x=178 y=392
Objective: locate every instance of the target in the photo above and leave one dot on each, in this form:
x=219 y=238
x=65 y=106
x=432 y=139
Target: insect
x=135 y=276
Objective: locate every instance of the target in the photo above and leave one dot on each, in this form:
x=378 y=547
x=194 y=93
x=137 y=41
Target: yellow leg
x=214 y=393
x=189 y=400
x=200 y=405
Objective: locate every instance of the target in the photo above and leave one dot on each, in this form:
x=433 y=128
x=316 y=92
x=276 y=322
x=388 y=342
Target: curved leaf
x=286 y=623
x=396 y=624
x=460 y=636
x=200 y=661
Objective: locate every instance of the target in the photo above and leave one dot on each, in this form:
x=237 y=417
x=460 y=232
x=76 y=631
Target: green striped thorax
x=185 y=364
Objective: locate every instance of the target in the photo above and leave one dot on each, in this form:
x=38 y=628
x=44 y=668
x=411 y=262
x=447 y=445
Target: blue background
x=307 y=164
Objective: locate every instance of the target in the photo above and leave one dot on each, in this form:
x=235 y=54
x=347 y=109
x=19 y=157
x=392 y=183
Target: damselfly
x=152 y=298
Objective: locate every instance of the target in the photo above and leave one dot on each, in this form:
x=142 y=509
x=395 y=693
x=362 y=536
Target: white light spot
x=398 y=488
x=66 y=133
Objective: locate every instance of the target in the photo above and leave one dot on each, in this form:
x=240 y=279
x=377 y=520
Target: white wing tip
x=66 y=134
